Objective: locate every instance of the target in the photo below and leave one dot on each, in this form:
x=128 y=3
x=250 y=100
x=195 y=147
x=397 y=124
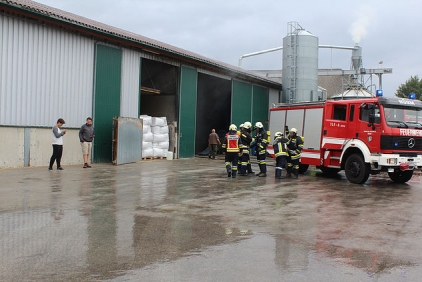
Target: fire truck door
x=335 y=128
x=368 y=126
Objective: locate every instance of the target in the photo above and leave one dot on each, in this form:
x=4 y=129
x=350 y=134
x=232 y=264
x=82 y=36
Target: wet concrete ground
x=184 y=220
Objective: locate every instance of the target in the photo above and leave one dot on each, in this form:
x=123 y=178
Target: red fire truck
x=360 y=136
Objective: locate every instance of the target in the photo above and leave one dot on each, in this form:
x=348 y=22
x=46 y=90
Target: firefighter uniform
x=261 y=143
x=295 y=146
x=244 y=160
x=239 y=161
x=280 y=152
x=231 y=145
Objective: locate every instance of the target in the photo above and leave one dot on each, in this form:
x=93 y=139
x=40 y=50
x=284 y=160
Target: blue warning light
x=412 y=96
x=379 y=93
x=396 y=144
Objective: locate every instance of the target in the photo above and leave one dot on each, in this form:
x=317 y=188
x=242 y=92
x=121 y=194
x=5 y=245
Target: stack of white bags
x=155 y=142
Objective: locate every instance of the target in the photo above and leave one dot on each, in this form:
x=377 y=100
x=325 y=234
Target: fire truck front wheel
x=357 y=171
x=399 y=176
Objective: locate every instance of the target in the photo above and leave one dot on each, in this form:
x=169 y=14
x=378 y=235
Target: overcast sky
x=224 y=30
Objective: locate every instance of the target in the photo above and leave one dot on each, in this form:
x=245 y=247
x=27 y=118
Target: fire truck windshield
x=403 y=117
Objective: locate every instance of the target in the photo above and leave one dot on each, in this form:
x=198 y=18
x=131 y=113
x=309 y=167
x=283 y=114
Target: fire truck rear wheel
x=357 y=171
x=399 y=176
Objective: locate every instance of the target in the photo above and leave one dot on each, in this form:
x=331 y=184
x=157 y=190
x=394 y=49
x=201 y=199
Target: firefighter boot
x=249 y=167
x=234 y=172
x=263 y=169
x=288 y=172
x=229 y=171
x=295 y=173
x=279 y=174
x=243 y=170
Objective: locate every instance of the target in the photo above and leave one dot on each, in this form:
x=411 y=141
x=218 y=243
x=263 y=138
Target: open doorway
x=159 y=90
x=213 y=108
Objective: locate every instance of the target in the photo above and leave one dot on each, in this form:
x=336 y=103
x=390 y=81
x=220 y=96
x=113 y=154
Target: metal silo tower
x=300 y=65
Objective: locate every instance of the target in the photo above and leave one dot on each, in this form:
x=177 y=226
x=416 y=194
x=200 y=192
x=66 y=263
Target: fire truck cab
x=360 y=136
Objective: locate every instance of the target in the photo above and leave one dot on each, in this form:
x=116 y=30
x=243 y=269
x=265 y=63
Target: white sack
x=147 y=120
x=162 y=153
x=160 y=129
x=146 y=129
x=160 y=138
x=147 y=145
x=161 y=145
x=148 y=153
x=149 y=137
x=159 y=121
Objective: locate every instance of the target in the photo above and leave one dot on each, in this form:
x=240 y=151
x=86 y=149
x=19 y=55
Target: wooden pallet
x=153 y=158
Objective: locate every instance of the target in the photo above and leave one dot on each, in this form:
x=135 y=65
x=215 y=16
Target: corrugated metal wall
x=44 y=74
x=131 y=73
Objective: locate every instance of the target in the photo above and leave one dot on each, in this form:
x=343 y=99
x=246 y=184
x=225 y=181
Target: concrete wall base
x=13 y=148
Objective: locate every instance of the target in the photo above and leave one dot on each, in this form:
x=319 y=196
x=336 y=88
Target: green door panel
x=241 y=102
x=260 y=102
x=187 y=115
x=106 y=99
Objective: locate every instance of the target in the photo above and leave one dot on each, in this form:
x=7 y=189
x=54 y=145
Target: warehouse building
x=56 y=64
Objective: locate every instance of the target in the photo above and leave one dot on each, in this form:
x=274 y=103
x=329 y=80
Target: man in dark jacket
x=86 y=134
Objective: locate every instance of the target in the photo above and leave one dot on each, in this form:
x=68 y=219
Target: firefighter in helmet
x=295 y=146
x=244 y=160
x=261 y=143
x=280 y=152
x=231 y=146
x=239 y=162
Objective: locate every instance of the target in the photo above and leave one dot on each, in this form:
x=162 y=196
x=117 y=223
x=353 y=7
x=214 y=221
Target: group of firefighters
x=237 y=146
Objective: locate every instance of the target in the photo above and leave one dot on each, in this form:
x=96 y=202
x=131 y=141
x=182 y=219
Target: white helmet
x=247 y=125
x=241 y=125
x=294 y=130
x=278 y=134
x=233 y=127
x=259 y=125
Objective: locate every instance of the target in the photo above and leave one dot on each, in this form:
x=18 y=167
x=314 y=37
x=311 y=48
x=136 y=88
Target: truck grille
x=401 y=143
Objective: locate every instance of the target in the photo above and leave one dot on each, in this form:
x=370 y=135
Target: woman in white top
x=57 y=144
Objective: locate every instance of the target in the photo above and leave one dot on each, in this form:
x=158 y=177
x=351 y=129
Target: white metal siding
x=129 y=103
x=45 y=74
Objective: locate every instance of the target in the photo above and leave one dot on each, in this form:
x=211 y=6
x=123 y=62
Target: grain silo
x=300 y=65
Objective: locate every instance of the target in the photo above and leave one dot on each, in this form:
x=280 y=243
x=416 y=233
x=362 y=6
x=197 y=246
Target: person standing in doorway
x=57 y=144
x=213 y=142
x=86 y=135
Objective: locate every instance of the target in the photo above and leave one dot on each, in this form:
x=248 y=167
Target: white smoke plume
x=359 y=28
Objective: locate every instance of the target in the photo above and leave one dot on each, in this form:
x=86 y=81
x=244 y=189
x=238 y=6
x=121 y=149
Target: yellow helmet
x=233 y=127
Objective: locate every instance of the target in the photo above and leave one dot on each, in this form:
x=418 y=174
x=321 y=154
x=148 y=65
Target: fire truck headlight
x=392 y=161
